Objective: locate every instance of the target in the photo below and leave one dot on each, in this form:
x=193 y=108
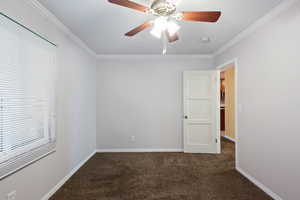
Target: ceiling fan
x=166 y=14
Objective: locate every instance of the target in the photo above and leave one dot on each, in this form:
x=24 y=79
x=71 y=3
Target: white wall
x=141 y=96
x=75 y=109
x=268 y=87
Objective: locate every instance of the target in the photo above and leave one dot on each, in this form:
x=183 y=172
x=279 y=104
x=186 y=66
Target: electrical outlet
x=12 y=195
x=133 y=138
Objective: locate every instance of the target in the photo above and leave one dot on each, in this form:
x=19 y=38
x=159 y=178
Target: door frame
x=223 y=67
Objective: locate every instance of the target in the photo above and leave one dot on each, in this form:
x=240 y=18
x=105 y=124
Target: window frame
x=11 y=162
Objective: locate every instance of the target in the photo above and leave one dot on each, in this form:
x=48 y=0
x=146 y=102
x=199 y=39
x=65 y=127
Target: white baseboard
x=136 y=150
x=259 y=184
x=229 y=138
x=64 y=180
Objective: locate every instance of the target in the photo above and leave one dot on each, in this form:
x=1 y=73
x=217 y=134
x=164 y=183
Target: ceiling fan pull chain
x=165 y=42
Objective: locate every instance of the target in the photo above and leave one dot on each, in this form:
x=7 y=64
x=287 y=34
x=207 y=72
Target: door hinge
x=216 y=140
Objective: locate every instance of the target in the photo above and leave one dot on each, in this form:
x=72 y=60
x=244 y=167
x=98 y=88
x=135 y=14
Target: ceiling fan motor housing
x=163 y=8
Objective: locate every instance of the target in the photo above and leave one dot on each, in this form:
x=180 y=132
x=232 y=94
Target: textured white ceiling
x=102 y=25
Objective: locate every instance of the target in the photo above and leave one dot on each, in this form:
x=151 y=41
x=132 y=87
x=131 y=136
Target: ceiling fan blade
x=172 y=38
x=138 y=29
x=201 y=16
x=129 y=4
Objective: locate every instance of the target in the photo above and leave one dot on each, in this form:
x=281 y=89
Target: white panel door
x=201 y=111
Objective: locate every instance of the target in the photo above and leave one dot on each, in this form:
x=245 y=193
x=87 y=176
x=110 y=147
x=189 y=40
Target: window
x=27 y=71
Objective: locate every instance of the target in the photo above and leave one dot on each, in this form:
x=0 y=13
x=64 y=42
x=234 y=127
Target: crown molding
x=112 y=56
x=238 y=38
x=49 y=15
x=256 y=25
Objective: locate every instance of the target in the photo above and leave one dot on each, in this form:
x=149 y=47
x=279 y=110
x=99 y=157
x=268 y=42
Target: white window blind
x=27 y=75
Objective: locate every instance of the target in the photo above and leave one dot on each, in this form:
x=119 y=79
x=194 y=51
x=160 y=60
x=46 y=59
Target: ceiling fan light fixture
x=173 y=28
x=156 y=32
x=160 y=25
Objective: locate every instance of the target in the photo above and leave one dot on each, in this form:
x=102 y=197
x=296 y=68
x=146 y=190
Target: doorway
x=228 y=102
x=202 y=110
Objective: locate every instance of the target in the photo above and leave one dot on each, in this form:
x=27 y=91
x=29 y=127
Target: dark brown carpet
x=160 y=176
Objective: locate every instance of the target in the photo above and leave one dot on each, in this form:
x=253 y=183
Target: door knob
x=185 y=117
